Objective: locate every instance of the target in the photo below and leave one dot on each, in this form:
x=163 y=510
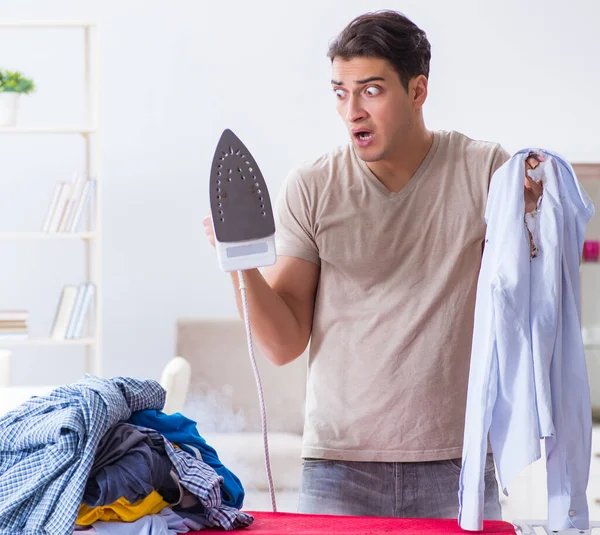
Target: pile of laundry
x=99 y=456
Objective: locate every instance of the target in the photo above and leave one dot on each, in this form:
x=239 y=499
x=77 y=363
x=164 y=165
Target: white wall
x=174 y=74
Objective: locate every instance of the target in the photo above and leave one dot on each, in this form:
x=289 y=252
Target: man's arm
x=280 y=304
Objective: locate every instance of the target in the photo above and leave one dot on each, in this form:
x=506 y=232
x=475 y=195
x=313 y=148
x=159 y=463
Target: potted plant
x=12 y=85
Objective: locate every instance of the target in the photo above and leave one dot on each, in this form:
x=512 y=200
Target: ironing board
x=303 y=524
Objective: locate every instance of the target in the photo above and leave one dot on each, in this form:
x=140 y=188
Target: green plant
x=15 y=82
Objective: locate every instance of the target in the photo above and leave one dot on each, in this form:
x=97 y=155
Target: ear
x=417 y=89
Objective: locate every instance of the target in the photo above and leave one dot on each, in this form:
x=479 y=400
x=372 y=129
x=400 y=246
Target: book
x=84 y=310
x=71 y=206
x=14 y=336
x=81 y=289
x=63 y=312
x=14 y=315
x=12 y=325
x=59 y=210
x=16 y=333
x=52 y=207
x=83 y=202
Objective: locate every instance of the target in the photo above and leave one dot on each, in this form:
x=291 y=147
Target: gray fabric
x=117 y=442
x=190 y=506
x=406 y=490
x=130 y=466
x=166 y=522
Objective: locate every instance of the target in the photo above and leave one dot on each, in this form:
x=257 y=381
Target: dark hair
x=388 y=35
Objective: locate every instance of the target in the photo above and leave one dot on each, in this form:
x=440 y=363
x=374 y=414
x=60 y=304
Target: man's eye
x=339 y=93
x=372 y=90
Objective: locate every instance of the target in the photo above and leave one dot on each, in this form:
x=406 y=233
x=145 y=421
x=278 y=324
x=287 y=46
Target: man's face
x=373 y=104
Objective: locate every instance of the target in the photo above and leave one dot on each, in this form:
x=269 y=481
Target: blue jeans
x=408 y=490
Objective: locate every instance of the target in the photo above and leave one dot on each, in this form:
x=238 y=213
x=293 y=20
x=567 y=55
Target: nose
x=355 y=112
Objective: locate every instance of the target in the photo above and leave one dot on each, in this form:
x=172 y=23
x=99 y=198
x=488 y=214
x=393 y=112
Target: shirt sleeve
x=569 y=449
x=481 y=397
x=294 y=224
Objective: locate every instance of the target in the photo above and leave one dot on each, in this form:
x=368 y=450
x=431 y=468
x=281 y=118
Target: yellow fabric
x=122 y=510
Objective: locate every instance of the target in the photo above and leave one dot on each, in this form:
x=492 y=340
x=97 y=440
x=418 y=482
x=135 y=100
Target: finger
x=535 y=158
x=534 y=193
x=532 y=184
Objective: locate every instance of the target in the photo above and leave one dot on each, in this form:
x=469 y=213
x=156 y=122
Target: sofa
x=223 y=400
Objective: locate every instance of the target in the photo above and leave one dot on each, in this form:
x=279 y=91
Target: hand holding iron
x=209 y=230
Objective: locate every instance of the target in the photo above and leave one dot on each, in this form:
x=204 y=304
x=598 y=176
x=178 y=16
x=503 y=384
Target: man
x=379 y=246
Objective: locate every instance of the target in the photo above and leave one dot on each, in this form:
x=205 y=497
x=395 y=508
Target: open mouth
x=363 y=138
x=363 y=135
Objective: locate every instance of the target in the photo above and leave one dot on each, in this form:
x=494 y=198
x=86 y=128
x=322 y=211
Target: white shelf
x=88 y=127
x=46 y=342
x=47 y=236
x=46 y=130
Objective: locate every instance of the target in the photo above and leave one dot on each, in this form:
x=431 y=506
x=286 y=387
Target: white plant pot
x=9 y=103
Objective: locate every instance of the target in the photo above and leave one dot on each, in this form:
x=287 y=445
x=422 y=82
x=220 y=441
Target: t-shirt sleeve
x=294 y=228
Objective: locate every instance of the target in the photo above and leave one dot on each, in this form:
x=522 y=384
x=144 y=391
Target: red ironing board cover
x=302 y=524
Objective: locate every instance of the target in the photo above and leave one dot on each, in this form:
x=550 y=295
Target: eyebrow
x=364 y=81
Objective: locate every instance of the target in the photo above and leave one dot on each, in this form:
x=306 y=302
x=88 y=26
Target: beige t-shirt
x=391 y=339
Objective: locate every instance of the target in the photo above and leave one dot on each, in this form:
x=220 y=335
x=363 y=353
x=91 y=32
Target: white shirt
x=528 y=377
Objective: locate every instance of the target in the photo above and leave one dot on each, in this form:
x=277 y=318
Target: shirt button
x=571 y=512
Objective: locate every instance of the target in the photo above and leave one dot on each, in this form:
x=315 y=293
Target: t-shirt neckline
x=398 y=195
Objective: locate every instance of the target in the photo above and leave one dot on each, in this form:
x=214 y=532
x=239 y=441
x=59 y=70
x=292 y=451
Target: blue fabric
x=528 y=378
x=47 y=448
x=182 y=431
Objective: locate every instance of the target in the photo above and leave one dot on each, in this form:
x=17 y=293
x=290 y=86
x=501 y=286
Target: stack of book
x=69 y=203
x=13 y=324
x=73 y=308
